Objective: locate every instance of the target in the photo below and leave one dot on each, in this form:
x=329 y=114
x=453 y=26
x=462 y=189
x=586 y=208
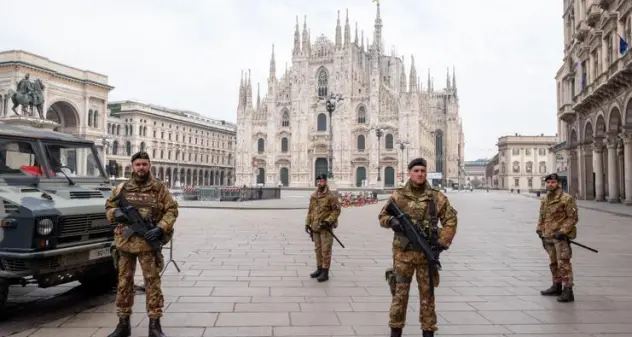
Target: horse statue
x=32 y=99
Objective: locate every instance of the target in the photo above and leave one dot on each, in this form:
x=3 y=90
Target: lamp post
x=330 y=105
x=378 y=132
x=106 y=144
x=402 y=146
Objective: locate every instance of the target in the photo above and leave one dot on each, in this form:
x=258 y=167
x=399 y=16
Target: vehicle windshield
x=75 y=160
x=18 y=158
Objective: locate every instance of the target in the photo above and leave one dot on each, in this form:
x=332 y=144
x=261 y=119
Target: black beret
x=552 y=176
x=321 y=176
x=140 y=155
x=417 y=162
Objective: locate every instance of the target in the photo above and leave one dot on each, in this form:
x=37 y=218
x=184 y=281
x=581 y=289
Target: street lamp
x=105 y=143
x=330 y=105
x=378 y=132
x=402 y=146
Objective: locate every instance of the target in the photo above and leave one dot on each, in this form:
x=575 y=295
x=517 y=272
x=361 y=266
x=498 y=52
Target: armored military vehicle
x=53 y=228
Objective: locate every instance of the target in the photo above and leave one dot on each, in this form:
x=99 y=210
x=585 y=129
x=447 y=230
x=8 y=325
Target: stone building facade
x=594 y=91
x=285 y=137
x=524 y=161
x=187 y=149
x=474 y=172
x=74 y=98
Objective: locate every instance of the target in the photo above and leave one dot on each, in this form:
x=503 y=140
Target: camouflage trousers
x=560 y=254
x=150 y=264
x=323 y=242
x=406 y=264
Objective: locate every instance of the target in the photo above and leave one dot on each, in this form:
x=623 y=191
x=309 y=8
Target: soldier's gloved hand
x=325 y=225
x=559 y=236
x=119 y=216
x=395 y=225
x=307 y=229
x=539 y=232
x=154 y=234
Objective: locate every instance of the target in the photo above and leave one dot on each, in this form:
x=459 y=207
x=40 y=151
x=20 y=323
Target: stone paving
x=245 y=273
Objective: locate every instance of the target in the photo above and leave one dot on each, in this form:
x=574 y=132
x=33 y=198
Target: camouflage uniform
x=152 y=199
x=413 y=200
x=323 y=207
x=556 y=224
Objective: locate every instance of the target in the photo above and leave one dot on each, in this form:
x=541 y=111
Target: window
x=284 y=144
x=542 y=152
x=515 y=152
x=17 y=157
x=542 y=167
x=360 y=143
x=361 y=115
x=65 y=158
x=321 y=122
x=515 y=167
x=530 y=182
x=529 y=167
x=517 y=182
x=388 y=140
x=323 y=82
x=527 y=152
x=260 y=146
x=285 y=119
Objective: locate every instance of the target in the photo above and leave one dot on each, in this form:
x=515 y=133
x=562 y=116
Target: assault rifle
x=418 y=239
x=137 y=223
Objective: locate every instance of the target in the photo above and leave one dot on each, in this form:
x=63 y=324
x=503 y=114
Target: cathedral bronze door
x=285 y=179
x=261 y=176
x=360 y=176
x=320 y=167
x=389 y=177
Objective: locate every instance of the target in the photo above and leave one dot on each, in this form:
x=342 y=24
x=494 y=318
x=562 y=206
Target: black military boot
x=123 y=328
x=566 y=295
x=155 y=330
x=316 y=273
x=396 y=332
x=428 y=334
x=324 y=275
x=554 y=290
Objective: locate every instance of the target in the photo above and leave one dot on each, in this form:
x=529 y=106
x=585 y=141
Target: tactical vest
x=143 y=199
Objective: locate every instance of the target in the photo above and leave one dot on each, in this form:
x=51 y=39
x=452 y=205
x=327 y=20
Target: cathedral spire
x=306 y=43
x=429 y=81
x=454 y=80
x=347 y=31
x=362 y=40
x=258 y=98
x=377 y=39
x=355 y=40
x=272 y=65
x=249 y=91
x=338 y=33
x=297 y=40
x=242 y=93
x=412 y=83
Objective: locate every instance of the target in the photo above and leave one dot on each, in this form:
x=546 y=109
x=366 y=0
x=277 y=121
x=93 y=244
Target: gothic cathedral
x=382 y=122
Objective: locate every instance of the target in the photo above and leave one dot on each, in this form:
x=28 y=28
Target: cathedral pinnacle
x=297 y=40
x=338 y=33
x=448 y=85
x=347 y=30
x=412 y=83
x=272 y=65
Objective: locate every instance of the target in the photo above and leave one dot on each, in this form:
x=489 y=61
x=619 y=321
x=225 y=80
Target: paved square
x=245 y=273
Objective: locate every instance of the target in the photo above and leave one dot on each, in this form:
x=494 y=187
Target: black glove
x=154 y=234
x=437 y=251
x=119 y=216
x=308 y=230
x=395 y=225
x=539 y=234
x=325 y=225
x=559 y=236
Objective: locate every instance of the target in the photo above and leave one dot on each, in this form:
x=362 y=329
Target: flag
x=623 y=45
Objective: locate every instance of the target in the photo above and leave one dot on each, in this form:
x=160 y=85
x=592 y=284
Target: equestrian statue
x=29 y=95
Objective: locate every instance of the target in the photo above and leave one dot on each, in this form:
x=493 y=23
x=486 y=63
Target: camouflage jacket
x=152 y=200
x=558 y=213
x=414 y=202
x=322 y=207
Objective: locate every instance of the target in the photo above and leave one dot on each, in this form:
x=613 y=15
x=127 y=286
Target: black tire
x=4 y=293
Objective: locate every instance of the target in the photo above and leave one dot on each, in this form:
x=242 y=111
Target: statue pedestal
x=30 y=121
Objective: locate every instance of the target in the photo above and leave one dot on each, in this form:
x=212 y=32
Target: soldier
x=322 y=218
x=154 y=201
x=556 y=225
x=419 y=200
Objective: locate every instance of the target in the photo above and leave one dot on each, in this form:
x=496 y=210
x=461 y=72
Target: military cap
x=140 y=155
x=321 y=176
x=552 y=176
x=417 y=162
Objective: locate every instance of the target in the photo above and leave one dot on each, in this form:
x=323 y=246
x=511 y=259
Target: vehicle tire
x=4 y=292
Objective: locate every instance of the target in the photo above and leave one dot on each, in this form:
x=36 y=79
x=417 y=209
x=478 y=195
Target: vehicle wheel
x=4 y=292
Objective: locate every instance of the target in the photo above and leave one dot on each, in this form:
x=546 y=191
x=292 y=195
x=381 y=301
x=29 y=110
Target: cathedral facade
x=384 y=120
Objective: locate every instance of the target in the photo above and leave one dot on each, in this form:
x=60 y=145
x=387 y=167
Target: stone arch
x=66 y=114
x=600 y=127
x=588 y=132
x=90 y=119
x=95 y=119
x=627 y=116
x=614 y=120
x=589 y=179
x=115 y=147
x=322 y=78
x=574 y=139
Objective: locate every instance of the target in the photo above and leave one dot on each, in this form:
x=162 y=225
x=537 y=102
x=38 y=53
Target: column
x=598 y=169
x=613 y=185
x=627 y=167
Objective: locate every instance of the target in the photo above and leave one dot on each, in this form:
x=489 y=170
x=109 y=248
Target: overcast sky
x=189 y=54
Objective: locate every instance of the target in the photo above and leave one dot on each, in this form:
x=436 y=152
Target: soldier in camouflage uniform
x=415 y=200
x=556 y=225
x=154 y=201
x=322 y=217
